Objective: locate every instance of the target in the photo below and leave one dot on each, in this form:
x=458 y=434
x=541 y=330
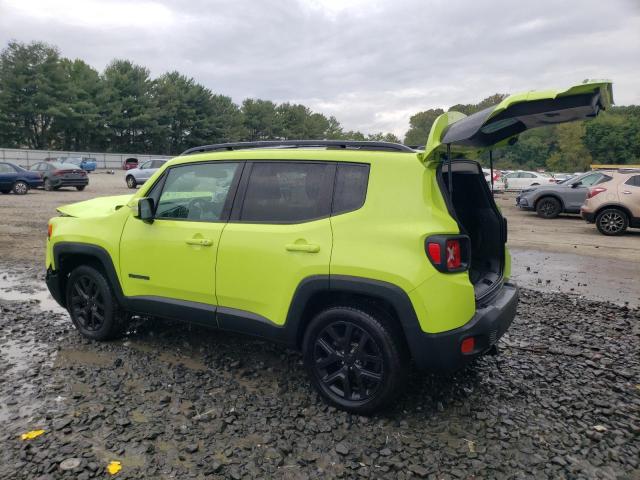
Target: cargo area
x=473 y=206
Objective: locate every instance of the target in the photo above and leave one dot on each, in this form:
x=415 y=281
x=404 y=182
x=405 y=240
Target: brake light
x=454 y=257
x=595 y=191
x=433 y=249
x=448 y=253
x=49 y=230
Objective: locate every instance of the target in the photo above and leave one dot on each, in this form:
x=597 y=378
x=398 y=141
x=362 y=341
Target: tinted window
x=286 y=192
x=196 y=192
x=350 y=188
x=633 y=181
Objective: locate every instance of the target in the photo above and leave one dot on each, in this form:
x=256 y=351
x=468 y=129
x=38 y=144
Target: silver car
x=137 y=176
x=549 y=201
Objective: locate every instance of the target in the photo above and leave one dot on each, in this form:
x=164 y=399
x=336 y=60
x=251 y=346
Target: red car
x=130 y=163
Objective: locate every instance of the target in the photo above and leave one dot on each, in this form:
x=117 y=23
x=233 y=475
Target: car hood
x=96 y=207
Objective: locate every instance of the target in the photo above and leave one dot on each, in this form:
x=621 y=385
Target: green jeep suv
x=366 y=256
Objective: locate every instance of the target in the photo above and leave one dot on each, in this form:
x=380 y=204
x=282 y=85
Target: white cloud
x=372 y=64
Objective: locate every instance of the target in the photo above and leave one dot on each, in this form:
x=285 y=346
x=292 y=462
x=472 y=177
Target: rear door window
x=350 y=188
x=287 y=192
x=633 y=181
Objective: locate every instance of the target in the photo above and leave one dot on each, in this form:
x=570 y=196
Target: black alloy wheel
x=548 y=207
x=92 y=306
x=612 y=222
x=356 y=360
x=348 y=361
x=87 y=303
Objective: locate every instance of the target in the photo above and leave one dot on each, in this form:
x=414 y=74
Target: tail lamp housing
x=595 y=191
x=449 y=253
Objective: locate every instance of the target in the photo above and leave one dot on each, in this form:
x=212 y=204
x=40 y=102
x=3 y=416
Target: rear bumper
x=70 y=182
x=442 y=351
x=588 y=216
x=35 y=183
x=52 y=280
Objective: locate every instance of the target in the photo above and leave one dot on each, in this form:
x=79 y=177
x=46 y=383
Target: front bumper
x=52 y=280
x=442 y=351
x=523 y=203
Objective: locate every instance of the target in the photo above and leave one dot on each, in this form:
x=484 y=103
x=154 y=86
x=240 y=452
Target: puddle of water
x=83 y=357
x=595 y=278
x=13 y=289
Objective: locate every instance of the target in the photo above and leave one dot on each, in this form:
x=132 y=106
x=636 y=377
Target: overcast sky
x=370 y=63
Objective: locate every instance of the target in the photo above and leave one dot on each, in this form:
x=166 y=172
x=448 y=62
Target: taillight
x=49 y=230
x=454 y=257
x=448 y=253
x=595 y=191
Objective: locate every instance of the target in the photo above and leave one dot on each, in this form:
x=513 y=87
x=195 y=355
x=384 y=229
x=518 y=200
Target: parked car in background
x=17 y=179
x=498 y=184
x=130 y=163
x=522 y=179
x=87 y=164
x=137 y=176
x=562 y=177
x=549 y=201
x=55 y=175
x=614 y=205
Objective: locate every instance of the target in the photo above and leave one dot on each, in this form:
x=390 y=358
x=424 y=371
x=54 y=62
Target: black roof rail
x=344 y=144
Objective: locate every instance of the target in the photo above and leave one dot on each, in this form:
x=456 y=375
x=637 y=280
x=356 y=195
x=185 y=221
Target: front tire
x=612 y=221
x=92 y=306
x=356 y=361
x=131 y=181
x=548 y=207
x=80 y=188
x=48 y=186
x=20 y=188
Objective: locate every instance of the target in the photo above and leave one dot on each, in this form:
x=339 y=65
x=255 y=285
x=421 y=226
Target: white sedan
x=522 y=179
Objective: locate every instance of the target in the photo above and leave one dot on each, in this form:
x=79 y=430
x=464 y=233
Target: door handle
x=302 y=247
x=203 y=242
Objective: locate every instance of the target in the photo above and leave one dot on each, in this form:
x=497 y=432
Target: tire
x=5 y=192
x=131 y=181
x=47 y=185
x=612 y=221
x=548 y=207
x=356 y=361
x=20 y=188
x=92 y=306
x=80 y=187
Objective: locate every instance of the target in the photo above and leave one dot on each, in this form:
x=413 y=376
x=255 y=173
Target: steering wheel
x=196 y=207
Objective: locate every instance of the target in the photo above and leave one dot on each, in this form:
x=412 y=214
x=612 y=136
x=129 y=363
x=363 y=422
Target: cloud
x=372 y=64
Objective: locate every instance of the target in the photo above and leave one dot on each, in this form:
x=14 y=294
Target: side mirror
x=145 y=209
x=576 y=185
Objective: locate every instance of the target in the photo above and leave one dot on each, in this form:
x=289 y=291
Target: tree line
x=51 y=102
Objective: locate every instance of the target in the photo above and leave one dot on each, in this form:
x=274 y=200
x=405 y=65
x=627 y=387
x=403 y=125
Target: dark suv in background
x=549 y=201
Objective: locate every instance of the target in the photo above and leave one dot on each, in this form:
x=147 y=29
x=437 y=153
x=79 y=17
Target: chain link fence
x=110 y=161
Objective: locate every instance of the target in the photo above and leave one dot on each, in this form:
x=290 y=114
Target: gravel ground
x=562 y=400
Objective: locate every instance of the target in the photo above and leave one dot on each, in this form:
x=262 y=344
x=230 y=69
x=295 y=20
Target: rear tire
x=92 y=306
x=612 y=221
x=80 y=188
x=355 y=361
x=131 y=181
x=20 y=188
x=548 y=207
x=48 y=186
